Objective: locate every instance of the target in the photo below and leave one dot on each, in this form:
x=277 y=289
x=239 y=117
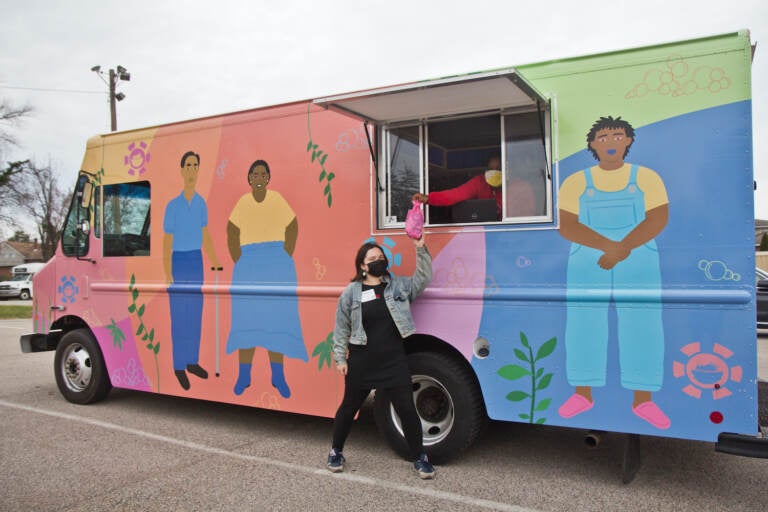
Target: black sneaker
x=424 y=468
x=335 y=461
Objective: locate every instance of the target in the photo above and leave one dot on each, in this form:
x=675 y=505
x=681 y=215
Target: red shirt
x=521 y=198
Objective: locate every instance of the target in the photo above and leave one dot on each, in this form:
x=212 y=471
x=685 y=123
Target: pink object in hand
x=576 y=404
x=414 y=221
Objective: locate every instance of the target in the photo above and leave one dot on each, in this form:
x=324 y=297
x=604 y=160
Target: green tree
x=764 y=242
x=20 y=236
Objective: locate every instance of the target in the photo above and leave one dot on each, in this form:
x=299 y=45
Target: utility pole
x=114 y=76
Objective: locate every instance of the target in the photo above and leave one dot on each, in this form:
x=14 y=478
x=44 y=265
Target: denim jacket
x=398 y=295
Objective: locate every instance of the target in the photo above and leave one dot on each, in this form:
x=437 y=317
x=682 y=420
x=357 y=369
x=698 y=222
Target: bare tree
x=35 y=192
x=10 y=115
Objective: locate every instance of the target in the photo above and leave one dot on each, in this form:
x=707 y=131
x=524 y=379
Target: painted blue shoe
x=278 y=380
x=424 y=468
x=243 y=378
x=336 y=461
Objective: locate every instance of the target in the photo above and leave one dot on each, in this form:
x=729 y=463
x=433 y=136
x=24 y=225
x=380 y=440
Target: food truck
x=600 y=278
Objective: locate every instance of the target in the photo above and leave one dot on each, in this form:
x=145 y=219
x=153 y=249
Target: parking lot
x=137 y=451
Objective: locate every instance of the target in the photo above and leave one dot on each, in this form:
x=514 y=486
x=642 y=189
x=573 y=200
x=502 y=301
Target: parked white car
x=20 y=284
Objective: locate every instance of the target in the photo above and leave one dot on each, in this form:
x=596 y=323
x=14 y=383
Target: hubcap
x=435 y=408
x=76 y=367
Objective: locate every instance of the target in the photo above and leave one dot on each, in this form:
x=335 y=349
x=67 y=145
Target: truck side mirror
x=85 y=198
x=85 y=227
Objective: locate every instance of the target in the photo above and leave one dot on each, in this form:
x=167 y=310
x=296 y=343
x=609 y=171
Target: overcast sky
x=198 y=58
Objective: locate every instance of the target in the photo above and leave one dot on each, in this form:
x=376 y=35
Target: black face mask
x=377 y=268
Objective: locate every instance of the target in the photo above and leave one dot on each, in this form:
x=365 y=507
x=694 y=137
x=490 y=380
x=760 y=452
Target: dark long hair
x=361 y=252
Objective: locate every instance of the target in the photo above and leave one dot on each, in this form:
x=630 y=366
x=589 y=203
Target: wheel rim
x=76 y=367
x=434 y=406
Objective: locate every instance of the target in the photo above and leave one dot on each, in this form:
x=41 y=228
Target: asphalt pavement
x=139 y=451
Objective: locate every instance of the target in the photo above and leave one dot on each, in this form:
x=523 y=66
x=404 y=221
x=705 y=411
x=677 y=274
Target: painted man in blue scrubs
x=612 y=212
x=186 y=229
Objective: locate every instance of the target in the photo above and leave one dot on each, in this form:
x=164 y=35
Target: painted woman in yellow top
x=261 y=237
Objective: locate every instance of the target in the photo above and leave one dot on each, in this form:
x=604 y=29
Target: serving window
x=478 y=146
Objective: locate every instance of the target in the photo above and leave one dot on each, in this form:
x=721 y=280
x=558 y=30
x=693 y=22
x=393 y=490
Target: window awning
x=478 y=92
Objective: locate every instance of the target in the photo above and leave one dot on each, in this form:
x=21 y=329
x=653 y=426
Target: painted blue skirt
x=265 y=308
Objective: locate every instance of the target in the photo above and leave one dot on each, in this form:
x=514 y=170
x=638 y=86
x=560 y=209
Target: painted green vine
x=323 y=351
x=539 y=380
x=320 y=156
x=146 y=334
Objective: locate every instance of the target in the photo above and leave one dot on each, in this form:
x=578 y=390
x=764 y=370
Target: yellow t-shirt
x=262 y=222
x=655 y=193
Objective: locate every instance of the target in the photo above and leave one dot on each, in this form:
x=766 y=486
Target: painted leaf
x=327 y=189
x=544 y=382
x=513 y=372
x=141 y=310
x=524 y=416
x=524 y=339
x=135 y=294
x=542 y=406
x=318 y=349
x=522 y=355
x=152 y=334
x=516 y=396
x=132 y=308
x=309 y=145
x=133 y=280
x=322 y=175
x=547 y=348
x=322 y=160
x=539 y=372
x=157 y=348
x=330 y=200
x=331 y=176
x=149 y=346
x=140 y=329
x=541 y=421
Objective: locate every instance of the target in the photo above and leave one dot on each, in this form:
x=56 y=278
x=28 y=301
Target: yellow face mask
x=493 y=178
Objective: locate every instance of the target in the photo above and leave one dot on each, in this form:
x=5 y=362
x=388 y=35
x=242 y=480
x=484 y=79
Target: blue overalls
x=640 y=332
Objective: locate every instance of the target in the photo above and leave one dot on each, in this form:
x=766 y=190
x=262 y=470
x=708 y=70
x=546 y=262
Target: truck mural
x=618 y=304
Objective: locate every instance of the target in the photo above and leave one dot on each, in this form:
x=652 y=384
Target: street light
x=115 y=76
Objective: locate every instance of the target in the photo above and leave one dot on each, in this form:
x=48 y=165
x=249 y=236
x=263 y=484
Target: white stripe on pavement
x=384 y=484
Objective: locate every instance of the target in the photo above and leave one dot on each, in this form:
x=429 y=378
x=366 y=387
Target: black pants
x=402 y=400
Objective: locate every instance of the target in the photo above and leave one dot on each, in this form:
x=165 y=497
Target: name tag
x=368 y=295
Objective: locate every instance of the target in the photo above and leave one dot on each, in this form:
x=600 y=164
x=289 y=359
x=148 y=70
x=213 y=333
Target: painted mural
x=626 y=312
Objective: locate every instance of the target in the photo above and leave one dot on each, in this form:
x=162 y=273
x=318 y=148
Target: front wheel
x=24 y=295
x=81 y=374
x=448 y=401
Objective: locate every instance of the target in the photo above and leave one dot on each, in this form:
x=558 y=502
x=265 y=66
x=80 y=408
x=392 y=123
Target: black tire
x=24 y=295
x=449 y=403
x=79 y=368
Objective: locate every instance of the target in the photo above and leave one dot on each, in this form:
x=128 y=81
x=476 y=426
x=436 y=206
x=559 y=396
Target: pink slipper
x=651 y=413
x=577 y=404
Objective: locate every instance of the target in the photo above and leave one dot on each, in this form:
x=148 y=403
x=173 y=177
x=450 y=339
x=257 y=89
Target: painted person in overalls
x=612 y=212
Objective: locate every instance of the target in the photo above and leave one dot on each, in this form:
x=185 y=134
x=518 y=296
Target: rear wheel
x=449 y=404
x=81 y=374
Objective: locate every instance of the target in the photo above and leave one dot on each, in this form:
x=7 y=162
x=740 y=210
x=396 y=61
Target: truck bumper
x=744 y=445
x=39 y=342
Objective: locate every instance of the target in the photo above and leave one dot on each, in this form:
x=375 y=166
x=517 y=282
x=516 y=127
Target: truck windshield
x=20 y=277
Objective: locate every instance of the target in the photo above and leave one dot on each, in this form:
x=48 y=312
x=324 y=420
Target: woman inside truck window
x=521 y=201
x=261 y=237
